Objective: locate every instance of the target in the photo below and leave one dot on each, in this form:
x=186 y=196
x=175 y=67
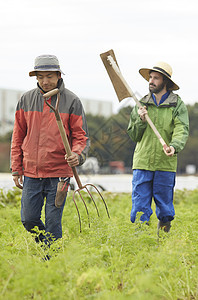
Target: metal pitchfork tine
x=68 y=151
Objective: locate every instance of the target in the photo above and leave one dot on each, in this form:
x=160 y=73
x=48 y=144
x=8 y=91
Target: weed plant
x=113 y=259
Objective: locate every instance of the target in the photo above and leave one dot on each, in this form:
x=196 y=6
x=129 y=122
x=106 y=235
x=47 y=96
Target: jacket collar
x=171 y=100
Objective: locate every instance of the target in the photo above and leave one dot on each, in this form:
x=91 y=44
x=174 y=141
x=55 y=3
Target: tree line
x=110 y=141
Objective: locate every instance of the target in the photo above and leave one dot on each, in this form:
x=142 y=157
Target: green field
x=113 y=259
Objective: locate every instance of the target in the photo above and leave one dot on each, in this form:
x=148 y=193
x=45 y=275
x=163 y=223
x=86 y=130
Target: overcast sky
x=140 y=32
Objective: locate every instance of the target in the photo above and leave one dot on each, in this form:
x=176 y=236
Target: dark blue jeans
x=32 y=201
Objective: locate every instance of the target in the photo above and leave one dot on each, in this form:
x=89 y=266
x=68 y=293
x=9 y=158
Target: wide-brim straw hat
x=162 y=68
x=46 y=63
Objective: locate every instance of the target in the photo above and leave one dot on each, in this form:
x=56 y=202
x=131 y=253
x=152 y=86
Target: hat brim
x=33 y=73
x=146 y=74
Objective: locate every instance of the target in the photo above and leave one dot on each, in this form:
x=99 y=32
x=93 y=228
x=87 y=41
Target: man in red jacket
x=37 y=151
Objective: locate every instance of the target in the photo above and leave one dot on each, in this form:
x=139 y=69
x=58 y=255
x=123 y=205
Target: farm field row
x=113 y=259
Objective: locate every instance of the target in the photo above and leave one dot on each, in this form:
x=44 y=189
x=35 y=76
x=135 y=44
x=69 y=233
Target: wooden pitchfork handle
x=61 y=129
x=117 y=70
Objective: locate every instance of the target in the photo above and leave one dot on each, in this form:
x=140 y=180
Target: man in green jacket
x=154 y=168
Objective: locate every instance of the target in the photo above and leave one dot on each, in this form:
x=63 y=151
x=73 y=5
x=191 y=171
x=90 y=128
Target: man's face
x=156 y=83
x=48 y=80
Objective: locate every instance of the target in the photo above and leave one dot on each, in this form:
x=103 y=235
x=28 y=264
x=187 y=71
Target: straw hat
x=162 y=68
x=46 y=63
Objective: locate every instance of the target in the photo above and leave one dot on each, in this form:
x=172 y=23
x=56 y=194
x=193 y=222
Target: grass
x=113 y=259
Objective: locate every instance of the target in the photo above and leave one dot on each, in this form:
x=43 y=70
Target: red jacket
x=37 y=150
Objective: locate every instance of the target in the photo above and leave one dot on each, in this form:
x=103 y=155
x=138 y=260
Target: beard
x=156 y=89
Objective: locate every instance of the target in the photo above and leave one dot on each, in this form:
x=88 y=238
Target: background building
x=8 y=102
x=97 y=107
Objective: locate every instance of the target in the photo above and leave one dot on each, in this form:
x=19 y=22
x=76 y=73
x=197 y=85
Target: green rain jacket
x=171 y=120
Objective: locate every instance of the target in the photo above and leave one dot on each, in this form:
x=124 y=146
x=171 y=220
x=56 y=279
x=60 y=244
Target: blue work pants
x=158 y=185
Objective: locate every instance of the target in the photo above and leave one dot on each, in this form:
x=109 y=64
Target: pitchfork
x=69 y=153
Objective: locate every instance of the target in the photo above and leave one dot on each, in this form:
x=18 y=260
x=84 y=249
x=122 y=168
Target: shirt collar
x=164 y=97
